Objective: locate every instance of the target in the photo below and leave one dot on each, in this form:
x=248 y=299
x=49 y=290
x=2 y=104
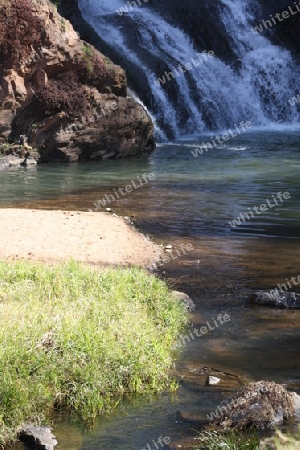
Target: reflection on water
x=192 y=200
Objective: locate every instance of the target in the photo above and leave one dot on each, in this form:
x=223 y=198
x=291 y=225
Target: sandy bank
x=90 y=237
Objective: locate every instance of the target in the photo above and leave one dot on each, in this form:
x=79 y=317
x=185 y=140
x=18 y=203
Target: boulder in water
x=276 y=298
x=40 y=437
x=260 y=405
x=185 y=299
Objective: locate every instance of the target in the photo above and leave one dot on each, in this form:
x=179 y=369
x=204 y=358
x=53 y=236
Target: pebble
x=212 y=381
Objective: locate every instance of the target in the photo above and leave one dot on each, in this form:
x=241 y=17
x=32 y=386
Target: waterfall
x=187 y=90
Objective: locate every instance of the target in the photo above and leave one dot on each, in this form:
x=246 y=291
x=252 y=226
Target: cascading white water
x=213 y=95
x=268 y=70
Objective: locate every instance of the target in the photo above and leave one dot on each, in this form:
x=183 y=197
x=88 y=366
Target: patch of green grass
x=213 y=440
x=63 y=26
x=281 y=442
x=88 y=54
x=4 y=147
x=74 y=338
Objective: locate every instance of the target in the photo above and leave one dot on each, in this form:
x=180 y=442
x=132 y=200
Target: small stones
x=212 y=381
x=128 y=219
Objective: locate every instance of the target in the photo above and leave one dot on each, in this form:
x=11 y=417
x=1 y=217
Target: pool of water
x=192 y=200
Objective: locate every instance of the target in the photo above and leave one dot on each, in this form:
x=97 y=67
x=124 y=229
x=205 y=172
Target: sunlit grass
x=74 y=337
x=232 y=440
x=281 y=442
x=213 y=440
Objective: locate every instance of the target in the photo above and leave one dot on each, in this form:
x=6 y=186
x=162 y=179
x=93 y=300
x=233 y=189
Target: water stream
x=191 y=201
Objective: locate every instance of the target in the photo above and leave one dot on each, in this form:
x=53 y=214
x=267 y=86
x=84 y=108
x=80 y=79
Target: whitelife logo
x=294 y=100
x=183 y=340
x=109 y=198
x=226 y=408
x=170 y=257
x=129 y=7
x=160 y=443
x=279 y=17
x=216 y=141
x=183 y=68
x=257 y=210
x=281 y=288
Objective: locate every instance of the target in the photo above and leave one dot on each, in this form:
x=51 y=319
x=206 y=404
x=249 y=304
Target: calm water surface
x=192 y=201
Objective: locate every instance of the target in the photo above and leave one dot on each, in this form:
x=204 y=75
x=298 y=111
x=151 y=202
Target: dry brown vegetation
x=63 y=94
x=20 y=30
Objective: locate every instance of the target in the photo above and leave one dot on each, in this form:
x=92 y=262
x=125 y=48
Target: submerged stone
x=185 y=299
x=276 y=298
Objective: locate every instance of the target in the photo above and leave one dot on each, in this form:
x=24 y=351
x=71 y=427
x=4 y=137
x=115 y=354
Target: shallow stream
x=191 y=201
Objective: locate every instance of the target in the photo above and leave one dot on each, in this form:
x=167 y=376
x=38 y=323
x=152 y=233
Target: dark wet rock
x=260 y=405
x=288 y=31
x=185 y=299
x=276 y=298
x=40 y=437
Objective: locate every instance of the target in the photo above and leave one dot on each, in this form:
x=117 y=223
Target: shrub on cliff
x=20 y=30
x=67 y=93
x=62 y=94
x=94 y=70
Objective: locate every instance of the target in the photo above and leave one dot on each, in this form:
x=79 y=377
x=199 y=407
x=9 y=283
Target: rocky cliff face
x=67 y=98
